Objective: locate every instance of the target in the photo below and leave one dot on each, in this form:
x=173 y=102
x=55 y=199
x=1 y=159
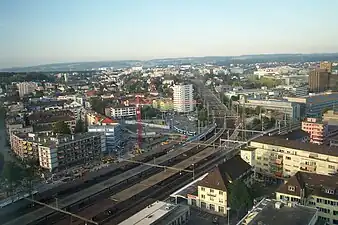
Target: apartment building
x=25 y=88
x=279 y=157
x=45 y=120
x=56 y=152
x=212 y=190
x=183 y=98
x=121 y=111
x=312 y=190
x=317 y=129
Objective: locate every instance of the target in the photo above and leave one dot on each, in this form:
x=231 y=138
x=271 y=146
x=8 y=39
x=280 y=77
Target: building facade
x=121 y=111
x=331 y=117
x=319 y=80
x=317 y=129
x=312 y=190
x=56 y=152
x=183 y=98
x=278 y=157
x=113 y=136
x=26 y=88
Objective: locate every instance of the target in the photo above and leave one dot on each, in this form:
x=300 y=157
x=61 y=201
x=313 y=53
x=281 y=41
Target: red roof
x=91 y=93
x=108 y=121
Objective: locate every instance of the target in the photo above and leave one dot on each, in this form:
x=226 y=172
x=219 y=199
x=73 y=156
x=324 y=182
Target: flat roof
x=150 y=214
x=266 y=212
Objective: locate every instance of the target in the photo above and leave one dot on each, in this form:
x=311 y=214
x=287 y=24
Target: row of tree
x=61 y=127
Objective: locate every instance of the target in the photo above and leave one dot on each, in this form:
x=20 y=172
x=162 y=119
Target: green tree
x=98 y=105
x=30 y=174
x=203 y=115
x=61 y=127
x=239 y=197
x=79 y=127
x=12 y=175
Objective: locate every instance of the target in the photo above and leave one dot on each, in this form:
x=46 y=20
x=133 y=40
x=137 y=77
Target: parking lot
x=204 y=218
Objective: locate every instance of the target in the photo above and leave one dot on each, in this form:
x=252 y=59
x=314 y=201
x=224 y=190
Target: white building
x=183 y=98
x=122 y=111
x=26 y=88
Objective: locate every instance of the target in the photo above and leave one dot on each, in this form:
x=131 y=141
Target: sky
x=34 y=32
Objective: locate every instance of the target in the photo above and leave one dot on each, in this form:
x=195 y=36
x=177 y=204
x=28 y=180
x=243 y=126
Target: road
x=4 y=149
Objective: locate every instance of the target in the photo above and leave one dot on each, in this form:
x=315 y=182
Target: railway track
x=101 y=190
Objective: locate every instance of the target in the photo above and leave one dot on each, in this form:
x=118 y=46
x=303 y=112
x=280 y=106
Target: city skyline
x=37 y=32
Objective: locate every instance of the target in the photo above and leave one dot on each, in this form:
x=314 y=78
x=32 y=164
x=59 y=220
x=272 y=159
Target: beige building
x=212 y=191
x=278 y=157
x=331 y=117
x=312 y=190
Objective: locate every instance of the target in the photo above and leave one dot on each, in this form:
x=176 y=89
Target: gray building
x=112 y=134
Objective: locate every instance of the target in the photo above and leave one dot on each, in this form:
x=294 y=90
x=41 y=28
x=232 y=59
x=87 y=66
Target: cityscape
x=250 y=139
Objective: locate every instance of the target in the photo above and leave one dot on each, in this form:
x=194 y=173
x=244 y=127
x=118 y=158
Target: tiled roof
x=294 y=144
x=312 y=184
x=225 y=173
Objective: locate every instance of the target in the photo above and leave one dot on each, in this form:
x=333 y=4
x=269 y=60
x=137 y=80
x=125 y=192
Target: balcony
x=308 y=168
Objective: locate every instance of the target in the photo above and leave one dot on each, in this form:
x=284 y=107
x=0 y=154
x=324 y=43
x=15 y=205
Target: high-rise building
x=319 y=80
x=26 y=88
x=183 y=98
x=326 y=66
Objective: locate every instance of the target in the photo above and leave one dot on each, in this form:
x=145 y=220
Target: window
x=291 y=188
x=211 y=198
x=202 y=196
x=288 y=157
x=211 y=190
x=221 y=209
x=221 y=192
x=220 y=200
x=202 y=189
x=331 y=167
x=329 y=191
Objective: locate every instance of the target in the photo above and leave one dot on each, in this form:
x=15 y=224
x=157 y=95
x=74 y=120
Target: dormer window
x=291 y=188
x=329 y=191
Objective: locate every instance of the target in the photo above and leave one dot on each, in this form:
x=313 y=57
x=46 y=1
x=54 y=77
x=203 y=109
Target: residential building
x=312 y=190
x=319 y=80
x=45 y=120
x=121 y=111
x=184 y=98
x=272 y=212
x=113 y=136
x=289 y=109
x=56 y=152
x=326 y=66
x=314 y=104
x=317 y=129
x=280 y=157
x=212 y=190
x=26 y=88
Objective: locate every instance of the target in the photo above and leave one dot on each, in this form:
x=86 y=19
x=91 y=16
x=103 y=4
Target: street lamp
x=228 y=214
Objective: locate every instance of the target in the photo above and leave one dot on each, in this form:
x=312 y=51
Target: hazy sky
x=48 y=31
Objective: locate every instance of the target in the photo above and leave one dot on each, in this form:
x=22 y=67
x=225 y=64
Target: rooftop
x=272 y=212
x=153 y=213
x=294 y=144
x=313 y=184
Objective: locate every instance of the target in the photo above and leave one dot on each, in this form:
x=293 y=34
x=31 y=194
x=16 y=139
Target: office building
x=212 y=190
x=160 y=213
x=56 y=152
x=312 y=190
x=326 y=66
x=113 y=136
x=26 y=88
x=272 y=212
x=319 y=80
x=290 y=110
x=314 y=104
x=317 y=129
x=331 y=117
x=280 y=157
x=184 y=98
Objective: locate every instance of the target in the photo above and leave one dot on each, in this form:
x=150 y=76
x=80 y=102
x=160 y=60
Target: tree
x=203 y=115
x=240 y=199
x=12 y=174
x=98 y=104
x=61 y=127
x=79 y=127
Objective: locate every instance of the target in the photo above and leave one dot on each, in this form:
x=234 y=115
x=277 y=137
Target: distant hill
x=218 y=60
